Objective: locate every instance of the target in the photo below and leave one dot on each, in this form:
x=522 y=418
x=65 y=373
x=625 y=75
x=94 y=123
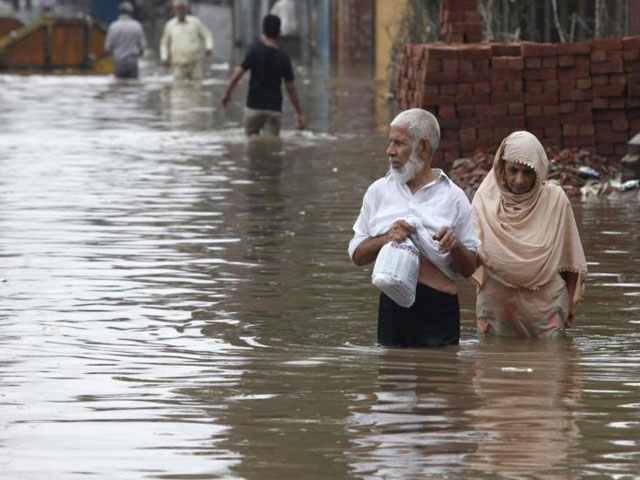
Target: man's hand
x=208 y=52
x=400 y=231
x=447 y=239
x=301 y=122
x=225 y=99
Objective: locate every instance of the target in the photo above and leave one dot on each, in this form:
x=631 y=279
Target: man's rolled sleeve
x=360 y=230
x=465 y=230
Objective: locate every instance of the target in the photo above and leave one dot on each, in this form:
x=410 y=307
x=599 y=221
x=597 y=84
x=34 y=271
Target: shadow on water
x=177 y=302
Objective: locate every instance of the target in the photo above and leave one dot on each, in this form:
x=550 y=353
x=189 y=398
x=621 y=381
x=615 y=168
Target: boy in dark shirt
x=268 y=65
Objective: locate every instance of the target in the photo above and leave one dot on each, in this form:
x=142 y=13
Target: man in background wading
x=125 y=42
x=182 y=40
x=444 y=234
x=269 y=66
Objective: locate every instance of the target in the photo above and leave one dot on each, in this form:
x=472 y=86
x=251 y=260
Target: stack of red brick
x=568 y=95
x=631 y=63
x=460 y=21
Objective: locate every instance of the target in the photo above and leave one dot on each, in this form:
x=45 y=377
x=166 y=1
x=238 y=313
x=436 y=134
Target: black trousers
x=432 y=321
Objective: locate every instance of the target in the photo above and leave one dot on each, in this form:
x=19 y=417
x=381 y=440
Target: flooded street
x=177 y=302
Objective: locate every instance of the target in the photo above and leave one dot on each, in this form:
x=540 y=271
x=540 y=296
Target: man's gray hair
x=126 y=7
x=181 y=2
x=421 y=124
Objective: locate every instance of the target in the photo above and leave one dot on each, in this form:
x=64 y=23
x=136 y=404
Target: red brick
x=482 y=87
x=450 y=65
x=442 y=77
x=449 y=145
x=550 y=110
x=534 y=62
x=633 y=66
x=506 y=49
x=570 y=130
x=507 y=97
x=550 y=85
x=530 y=49
x=577 y=118
x=608 y=44
x=617 y=102
x=583 y=83
x=543 y=122
x=466 y=111
x=573 y=95
x=579 y=141
x=447 y=111
x=475 y=76
x=482 y=111
x=500 y=63
x=587 y=130
x=540 y=98
x=567 y=107
x=499 y=110
x=481 y=66
x=541 y=74
x=608 y=116
x=534 y=86
x=630 y=55
x=620 y=149
x=550 y=62
x=605 y=149
x=476 y=99
x=552 y=133
x=611 y=137
x=450 y=123
x=468 y=134
x=516 y=109
x=451 y=134
x=631 y=43
x=440 y=51
x=428 y=100
x=617 y=79
x=566 y=60
x=579 y=71
x=514 y=122
x=599 y=80
x=449 y=89
x=633 y=90
x=612 y=65
x=621 y=125
x=465 y=66
x=474 y=52
x=608 y=91
x=533 y=110
x=583 y=48
x=434 y=65
x=469 y=146
x=598 y=55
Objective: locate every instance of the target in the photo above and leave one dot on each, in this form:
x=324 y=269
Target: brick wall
x=568 y=95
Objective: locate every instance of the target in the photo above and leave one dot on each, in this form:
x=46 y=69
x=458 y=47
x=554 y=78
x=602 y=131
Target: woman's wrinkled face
x=518 y=177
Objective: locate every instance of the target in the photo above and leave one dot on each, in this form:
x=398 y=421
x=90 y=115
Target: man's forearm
x=368 y=250
x=293 y=96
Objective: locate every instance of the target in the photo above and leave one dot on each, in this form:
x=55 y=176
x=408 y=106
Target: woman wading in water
x=532 y=265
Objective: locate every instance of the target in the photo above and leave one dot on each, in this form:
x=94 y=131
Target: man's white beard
x=409 y=170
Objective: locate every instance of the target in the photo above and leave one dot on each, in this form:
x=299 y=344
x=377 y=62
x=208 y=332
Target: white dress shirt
x=438 y=204
x=181 y=41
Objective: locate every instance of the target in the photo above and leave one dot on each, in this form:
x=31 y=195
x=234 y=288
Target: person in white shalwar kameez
x=183 y=38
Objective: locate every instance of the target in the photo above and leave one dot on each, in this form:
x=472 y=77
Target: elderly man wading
x=181 y=42
x=443 y=232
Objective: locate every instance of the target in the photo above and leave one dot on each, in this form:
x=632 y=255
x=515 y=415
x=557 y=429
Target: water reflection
x=528 y=395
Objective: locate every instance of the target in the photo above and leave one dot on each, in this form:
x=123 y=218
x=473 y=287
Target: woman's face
x=518 y=177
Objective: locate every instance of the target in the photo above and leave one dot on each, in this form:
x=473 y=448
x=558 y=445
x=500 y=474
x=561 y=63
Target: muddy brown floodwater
x=178 y=303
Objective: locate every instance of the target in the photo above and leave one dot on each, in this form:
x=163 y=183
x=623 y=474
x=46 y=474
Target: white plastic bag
x=396 y=272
